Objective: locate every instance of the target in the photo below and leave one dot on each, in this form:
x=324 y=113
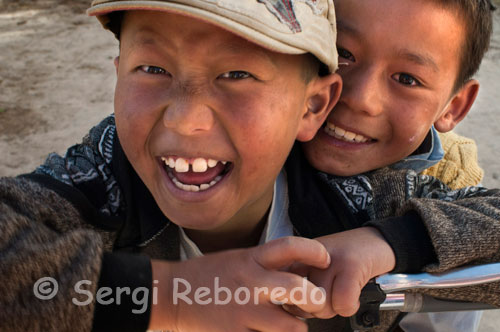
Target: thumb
x=346 y=291
x=282 y=252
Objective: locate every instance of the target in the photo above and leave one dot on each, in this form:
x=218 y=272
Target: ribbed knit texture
x=42 y=235
x=459 y=167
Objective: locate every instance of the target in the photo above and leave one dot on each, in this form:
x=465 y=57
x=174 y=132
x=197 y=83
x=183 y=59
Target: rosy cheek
x=418 y=136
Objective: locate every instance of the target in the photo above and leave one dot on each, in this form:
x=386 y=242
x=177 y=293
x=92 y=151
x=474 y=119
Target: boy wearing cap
x=209 y=100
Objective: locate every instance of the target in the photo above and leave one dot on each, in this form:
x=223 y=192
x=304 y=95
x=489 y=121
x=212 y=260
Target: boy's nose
x=363 y=91
x=188 y=117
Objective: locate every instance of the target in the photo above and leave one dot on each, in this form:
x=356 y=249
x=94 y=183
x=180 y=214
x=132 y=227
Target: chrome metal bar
x=462 y=277
x=404 y=302
x=394 y=301
x=414 y=302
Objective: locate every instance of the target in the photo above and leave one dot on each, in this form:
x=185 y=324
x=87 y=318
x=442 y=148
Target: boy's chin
x=205 y=216
x=343 y=171
x=334 y=168
x=195 y=218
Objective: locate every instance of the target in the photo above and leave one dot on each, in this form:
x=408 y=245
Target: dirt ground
x=57 y=78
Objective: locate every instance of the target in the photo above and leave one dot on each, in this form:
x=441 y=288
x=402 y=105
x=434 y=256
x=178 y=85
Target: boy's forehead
x=443 y=31
x=144 y=29
x=406 y=52
x=283 y=26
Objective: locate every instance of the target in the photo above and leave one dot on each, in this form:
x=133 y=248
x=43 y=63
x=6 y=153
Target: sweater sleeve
x=461 y=226
x=43 y=242
x=52 y=263
x=61 y=222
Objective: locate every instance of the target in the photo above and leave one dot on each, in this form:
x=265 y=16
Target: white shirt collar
x=278 y=221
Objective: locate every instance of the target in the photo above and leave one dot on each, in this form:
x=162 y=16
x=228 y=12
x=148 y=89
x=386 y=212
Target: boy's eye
x=406 y=79
x=153 y=70
x=343 y=53
x=236 y=75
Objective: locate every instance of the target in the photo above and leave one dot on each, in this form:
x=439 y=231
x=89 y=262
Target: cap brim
x=246 y=32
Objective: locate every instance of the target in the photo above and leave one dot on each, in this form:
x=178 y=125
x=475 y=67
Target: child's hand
x=356 y=257
x=250 y=268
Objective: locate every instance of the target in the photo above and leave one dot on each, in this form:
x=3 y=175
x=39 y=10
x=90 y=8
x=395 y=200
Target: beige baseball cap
x=284 y=26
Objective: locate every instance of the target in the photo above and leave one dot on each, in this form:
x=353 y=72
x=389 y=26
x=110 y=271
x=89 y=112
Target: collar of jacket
x=315 y=208
x=143 y=219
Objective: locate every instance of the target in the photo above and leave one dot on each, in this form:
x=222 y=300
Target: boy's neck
x=212 y=241
x=242 y=231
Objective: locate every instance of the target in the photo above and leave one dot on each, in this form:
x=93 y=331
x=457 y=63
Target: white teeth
x=171 y=162
x=339 y=131
x=217 y=179
x=181 y=165
x=359 y=138
x=193 y=187
x=350 y=136
x=200 y=165
x=177 y=183
x=343 y=134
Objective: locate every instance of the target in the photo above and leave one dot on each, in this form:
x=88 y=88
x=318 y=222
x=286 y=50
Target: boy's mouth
x=195 y=174
x=345 y=135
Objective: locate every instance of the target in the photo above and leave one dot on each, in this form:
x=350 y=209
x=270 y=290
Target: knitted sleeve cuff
x=133 y=275
x=409 y=240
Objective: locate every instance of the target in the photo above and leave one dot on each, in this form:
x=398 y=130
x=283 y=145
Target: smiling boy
x=397 y=83
x=210 y=98
x=398 y=87
x=208 y=123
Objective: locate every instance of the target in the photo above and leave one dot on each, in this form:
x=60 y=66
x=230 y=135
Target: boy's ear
x=458 y=107
x=116 y=61
x=323 y=95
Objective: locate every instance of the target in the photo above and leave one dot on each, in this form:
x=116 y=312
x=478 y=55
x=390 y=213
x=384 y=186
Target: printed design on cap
x=284 y=11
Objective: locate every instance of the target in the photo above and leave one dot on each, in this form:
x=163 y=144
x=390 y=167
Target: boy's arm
x=462 y=226
x=42 y=236
x=417 y=216
x=69 y=209
x=453 y=228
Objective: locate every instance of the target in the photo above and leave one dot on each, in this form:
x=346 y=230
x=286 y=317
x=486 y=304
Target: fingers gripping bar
x=387 y=293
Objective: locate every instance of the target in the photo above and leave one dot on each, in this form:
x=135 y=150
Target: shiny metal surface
x=394 y=301
x=468 y=276
x=415 y=302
